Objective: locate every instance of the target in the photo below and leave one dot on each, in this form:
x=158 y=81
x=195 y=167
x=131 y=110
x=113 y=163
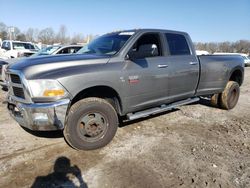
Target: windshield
x=46 y=51
x=108 y=44
x=20 y=45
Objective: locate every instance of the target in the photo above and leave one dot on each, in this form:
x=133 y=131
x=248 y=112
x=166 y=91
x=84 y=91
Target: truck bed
x=213 y=71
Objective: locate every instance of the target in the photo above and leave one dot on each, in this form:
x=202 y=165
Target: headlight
x=46 y=88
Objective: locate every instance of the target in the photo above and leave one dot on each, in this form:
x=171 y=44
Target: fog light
x=40 y=117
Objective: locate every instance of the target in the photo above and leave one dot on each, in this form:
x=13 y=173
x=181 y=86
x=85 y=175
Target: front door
x=145 y=73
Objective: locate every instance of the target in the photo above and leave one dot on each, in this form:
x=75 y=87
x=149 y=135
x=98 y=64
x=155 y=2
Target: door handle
x=162 y=66
x=193 y=63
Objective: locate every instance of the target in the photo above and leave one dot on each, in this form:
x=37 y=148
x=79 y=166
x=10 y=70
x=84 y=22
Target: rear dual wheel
x=91 y=124
x=228 y=98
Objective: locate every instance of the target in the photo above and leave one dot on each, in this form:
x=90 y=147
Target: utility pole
x=88 y=39
x=11 y=31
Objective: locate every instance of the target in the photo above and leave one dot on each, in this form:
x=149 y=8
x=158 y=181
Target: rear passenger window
x=177 y=44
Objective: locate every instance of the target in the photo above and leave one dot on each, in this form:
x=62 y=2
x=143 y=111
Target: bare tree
x=47 y=36
x=212 y=47
x=3 y=31
x=90 y=37
x=61 y=36
x=21 y=37
x=16 y=33
x=3 y=27
x=31 y=34
x=241 y=46
x=200 y=46
x=78 y=38
x=225 y=47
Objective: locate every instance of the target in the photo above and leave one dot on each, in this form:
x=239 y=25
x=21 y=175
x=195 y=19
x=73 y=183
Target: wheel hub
x=92 y=125
x=93 y=128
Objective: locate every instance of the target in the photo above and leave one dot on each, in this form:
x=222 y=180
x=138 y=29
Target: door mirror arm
x=130 y=56
x=127 y=57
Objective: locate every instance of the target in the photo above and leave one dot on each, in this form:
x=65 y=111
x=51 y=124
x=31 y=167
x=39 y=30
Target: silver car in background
x=58 y=49
x=3 y=65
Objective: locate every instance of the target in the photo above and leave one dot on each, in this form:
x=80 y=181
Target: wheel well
x=237 y=77
x=103 y=92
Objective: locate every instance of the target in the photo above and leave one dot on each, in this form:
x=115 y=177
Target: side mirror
x=131 y=55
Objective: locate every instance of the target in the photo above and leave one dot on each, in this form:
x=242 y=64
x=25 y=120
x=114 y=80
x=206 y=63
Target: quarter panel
x=215 y=72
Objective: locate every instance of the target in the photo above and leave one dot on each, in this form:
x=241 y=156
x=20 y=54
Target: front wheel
x=91 y=124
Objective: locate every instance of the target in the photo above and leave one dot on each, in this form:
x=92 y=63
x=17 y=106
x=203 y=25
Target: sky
x=204 y=20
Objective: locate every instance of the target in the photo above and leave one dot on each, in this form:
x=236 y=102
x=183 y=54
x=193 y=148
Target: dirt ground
x=194 y=146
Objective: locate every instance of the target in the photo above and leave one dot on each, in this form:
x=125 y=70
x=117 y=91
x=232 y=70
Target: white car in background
x=246 y=59
x=51 y=50
x=244 y=56
x=202 y=52
x=14 y=49
x=2 y=57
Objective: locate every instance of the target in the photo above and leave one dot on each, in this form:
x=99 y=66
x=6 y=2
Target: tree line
x=241 y=46
x=45 y=36
x=49 y=36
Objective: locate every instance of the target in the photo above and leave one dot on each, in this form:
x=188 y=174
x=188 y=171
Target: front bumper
x=39 y=116
x=3 y=83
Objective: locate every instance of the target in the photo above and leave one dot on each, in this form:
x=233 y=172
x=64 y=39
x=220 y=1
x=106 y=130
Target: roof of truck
x=16 y=41
x=148 y=30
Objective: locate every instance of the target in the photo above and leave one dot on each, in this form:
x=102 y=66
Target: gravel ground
x=194 y=146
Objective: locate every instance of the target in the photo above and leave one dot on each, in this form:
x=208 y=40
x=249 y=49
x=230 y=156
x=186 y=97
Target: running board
x=162 y=108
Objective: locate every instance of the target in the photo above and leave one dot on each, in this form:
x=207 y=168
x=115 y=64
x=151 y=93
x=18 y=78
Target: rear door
x=183 y=67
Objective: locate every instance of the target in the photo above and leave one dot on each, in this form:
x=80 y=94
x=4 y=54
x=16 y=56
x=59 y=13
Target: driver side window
x=148 y=45
x=6 y=45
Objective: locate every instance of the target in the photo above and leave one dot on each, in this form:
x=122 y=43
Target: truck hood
x=40 y=67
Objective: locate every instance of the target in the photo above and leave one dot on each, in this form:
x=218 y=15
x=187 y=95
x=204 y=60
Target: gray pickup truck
x=122 y=75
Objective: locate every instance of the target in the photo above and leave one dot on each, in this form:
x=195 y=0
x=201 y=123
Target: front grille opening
x=18 y=92
x=15 y=79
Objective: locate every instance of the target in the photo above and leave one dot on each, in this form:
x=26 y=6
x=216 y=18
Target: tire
x=230 y=95
x=215 y=100
x=91 y=124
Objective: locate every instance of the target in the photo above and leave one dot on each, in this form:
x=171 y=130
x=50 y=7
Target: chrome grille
x=1 y=69
x=15 y=79
x=17 y=86
x=18 y=92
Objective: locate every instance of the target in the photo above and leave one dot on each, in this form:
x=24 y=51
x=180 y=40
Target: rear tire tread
x=224 y=99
